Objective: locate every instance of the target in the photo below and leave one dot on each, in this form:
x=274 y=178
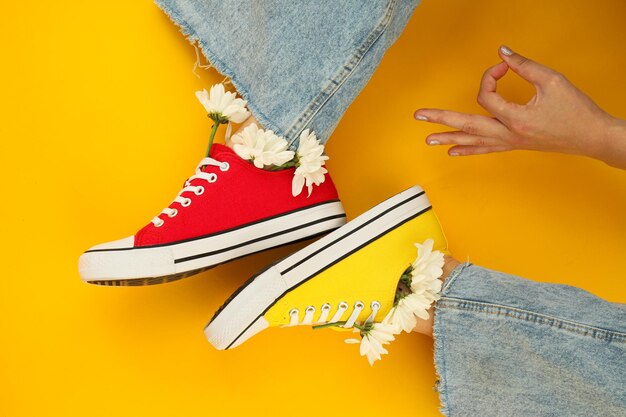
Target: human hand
x=559 y=118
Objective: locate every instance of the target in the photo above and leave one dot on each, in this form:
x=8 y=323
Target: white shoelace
x=309 y=312
x=209 y=177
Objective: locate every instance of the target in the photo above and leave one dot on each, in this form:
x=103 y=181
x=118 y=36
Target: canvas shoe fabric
x=226 y=210
x=349 y=275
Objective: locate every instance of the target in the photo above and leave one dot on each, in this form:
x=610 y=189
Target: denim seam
x=439 y=342
x=189 y=32
x=530 y=316
x=336 y=82
x=440 y=364
x=447 y=284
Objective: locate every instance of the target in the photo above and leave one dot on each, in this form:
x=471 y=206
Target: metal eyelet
x=199 y=190
x=310 y=309
x=359 y=304
x=375 y=305
x=326 y=307
x=224 y=167
x=212 y=177
x=159 y=224
x=343 y=305
x=294 y=312
x=172 y=213
x=186 y=203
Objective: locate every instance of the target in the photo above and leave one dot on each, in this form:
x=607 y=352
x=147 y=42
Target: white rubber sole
x=241 y=317
x=119 y=263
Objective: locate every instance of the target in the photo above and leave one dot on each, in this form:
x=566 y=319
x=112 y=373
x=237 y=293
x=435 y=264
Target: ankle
x=449 y=265
x=250 y=120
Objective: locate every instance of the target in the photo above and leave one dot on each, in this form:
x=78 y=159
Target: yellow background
x=100 y=126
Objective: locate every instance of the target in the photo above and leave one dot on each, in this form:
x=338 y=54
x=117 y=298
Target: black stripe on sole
x=318 y=272
x=245 y=284
x=370 y=221
x=259 y=239
x=133 y=282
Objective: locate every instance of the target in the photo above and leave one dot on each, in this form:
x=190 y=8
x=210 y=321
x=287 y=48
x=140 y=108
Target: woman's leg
x=299 y=65
x=505 y=345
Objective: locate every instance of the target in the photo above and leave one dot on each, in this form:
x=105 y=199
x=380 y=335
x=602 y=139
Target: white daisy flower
x=405 y=314
x=262 y=147
x=310 y=163
x=373 y=338
x=223 y=106
x=425 y=287
x=401 y=317
x=275 y=149
x=426 y=270
x=427 y=266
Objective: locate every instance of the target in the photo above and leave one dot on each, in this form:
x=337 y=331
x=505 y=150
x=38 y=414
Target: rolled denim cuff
x=505 y=345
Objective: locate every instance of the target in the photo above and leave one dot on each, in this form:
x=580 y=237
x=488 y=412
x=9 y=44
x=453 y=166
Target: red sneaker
x=228 y=209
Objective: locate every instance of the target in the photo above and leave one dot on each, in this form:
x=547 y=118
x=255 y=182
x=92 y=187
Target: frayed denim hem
x=188 y=31
x=298 y=65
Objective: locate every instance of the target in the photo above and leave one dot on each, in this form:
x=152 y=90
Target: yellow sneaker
x=349 y=276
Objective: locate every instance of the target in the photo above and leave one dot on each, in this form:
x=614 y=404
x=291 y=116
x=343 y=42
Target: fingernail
x=454 y=154
x=505 y=50
x=420 y=117
x=434 y=142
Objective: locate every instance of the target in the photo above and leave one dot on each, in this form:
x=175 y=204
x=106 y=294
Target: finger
x=476 y=150
x=461 y=138
x=488 y=98
x=529 y=70
x=473 y=124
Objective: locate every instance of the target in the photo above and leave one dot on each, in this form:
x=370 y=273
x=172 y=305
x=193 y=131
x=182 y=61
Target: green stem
x=363 y=328
x=283 y=166
x=336 y=323
x=213 y=132
x=406 y=276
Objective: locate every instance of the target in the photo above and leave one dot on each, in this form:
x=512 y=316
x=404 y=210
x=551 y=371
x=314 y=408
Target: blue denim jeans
x=299 y=64
x=507 y=346
x=504 y=346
